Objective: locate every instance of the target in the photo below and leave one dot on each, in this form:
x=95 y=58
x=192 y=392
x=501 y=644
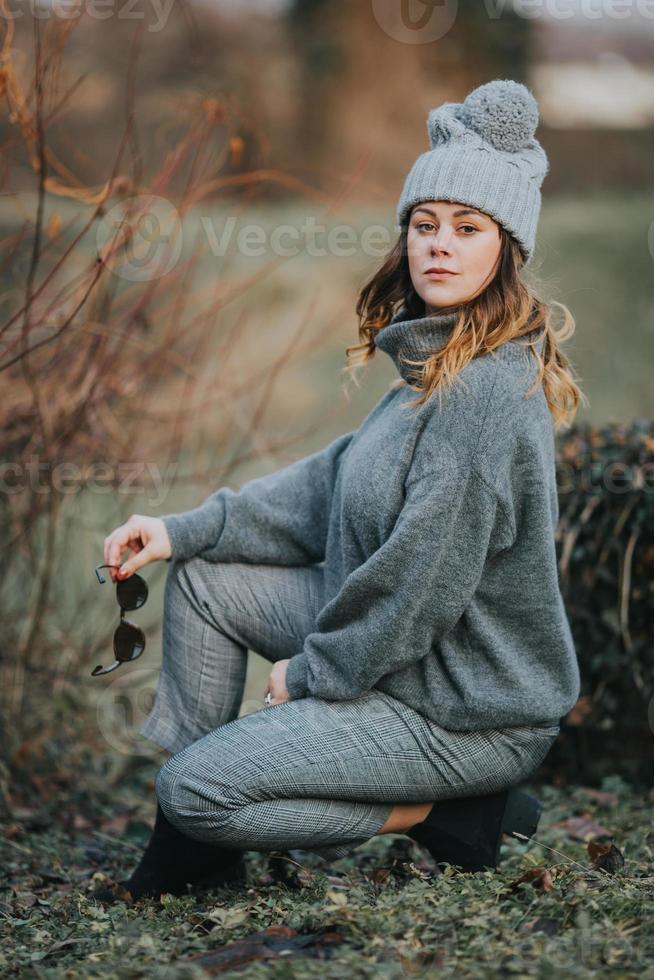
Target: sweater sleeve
x=411 y=591
x=281 y=518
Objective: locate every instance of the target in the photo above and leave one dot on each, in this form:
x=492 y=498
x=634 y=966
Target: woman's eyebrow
x=455 y=214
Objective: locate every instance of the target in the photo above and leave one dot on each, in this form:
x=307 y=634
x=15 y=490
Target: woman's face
x=456 y=237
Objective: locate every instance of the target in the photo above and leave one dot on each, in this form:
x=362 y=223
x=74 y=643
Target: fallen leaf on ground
x=605 y=857
x=378 y=876
x=12 y=831
x=601 y=795
x=582 y=827
x=542 y=923
x=336 y=896
x=539 y=878
x=581 y=709
x=25 y=900
x=117 y=824
x=275 y=942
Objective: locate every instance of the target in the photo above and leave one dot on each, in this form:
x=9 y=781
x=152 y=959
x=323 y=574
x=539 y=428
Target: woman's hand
x=146 y=536
x=276 y=683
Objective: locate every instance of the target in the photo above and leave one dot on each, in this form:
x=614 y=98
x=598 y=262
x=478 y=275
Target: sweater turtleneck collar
x=414 y=338
x=417 y=338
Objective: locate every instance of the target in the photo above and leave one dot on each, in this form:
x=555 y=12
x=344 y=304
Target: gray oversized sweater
x=436 y=529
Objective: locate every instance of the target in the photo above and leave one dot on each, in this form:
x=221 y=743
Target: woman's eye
x=427 y=224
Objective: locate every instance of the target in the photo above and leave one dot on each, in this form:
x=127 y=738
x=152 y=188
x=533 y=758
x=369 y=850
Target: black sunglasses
x=129 y=639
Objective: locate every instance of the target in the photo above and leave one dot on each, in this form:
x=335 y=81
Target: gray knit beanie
x=484 y=153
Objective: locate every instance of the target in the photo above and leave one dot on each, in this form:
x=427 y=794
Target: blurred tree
x=322 y=56
x=357 y=82
x=503 y=45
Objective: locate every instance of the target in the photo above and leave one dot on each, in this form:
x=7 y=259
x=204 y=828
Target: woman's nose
x=441 y=242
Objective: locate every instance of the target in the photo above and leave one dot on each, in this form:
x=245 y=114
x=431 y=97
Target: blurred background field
x=130 y=390
x=592 y=255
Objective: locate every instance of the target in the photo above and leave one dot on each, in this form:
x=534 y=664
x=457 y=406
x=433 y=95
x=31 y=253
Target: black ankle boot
x=467 y=832
x=177 y=864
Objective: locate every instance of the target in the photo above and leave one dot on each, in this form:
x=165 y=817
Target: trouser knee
x=187 y=803
x=185 y=587
x=177 y=798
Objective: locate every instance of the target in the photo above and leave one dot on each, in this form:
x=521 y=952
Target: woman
x=403 y=580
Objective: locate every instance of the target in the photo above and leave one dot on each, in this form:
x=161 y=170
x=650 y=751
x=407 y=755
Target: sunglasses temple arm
x=106 y=670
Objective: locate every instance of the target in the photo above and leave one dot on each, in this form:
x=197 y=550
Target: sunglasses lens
x=129 y=642
x=132 y=592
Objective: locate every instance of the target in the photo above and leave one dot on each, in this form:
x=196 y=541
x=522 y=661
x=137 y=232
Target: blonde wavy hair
x=506 y=309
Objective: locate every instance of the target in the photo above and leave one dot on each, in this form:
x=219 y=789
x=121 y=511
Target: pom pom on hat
x=502 y=112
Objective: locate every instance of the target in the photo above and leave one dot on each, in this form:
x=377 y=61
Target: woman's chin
x=442 y=299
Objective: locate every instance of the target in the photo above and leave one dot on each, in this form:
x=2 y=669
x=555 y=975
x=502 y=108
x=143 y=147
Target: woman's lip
x=439 y=275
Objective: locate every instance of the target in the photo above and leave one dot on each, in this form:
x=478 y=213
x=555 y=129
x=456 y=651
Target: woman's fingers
x=117 y=542
x=128 y=535
x=136 y=561
x=276 y=683
x=146 y=536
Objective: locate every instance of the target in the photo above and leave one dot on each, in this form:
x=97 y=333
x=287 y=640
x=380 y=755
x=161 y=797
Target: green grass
x=395 y=915
x=597 y=256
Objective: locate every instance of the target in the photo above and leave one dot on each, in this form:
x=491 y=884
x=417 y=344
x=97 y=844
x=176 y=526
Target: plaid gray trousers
x=309 y=773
